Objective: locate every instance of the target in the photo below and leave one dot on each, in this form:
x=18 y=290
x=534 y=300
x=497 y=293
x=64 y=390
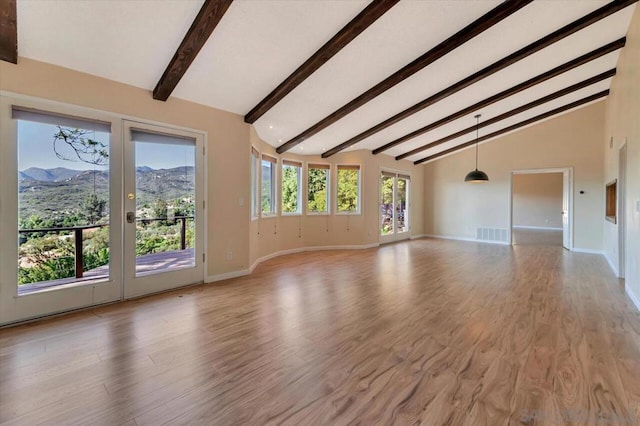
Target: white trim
x=539 y=171
x=417 y=237
x=611 y=264
x=472 y=240
x=540 y=228
x=632 y=296
x=603 y=254
x=587 y=251
x=243 y=272
x=347 y=247
x=227 y=275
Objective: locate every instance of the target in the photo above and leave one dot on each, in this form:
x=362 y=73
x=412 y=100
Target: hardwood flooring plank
x=420 y=332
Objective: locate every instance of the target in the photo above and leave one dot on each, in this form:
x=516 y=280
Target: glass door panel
x=164 y=229
x=394 y=206
x=387 y=212
x=58 y=188
x=165 y=206
x=402 y=211
x=63 y=205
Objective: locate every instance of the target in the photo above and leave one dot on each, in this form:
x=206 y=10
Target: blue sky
x=35 y=149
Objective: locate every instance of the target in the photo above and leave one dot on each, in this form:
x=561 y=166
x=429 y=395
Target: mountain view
x=66 y=198
x=51 y=192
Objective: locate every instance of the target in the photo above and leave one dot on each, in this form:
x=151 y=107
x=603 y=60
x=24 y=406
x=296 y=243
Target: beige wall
x=537 y=200
x=456 y=209
x=281 y=233
x=228 y=142
x=622 y=123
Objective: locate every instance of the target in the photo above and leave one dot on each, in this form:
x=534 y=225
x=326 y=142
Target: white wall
x=622 y=123
x=537 y=200
x=454 y=208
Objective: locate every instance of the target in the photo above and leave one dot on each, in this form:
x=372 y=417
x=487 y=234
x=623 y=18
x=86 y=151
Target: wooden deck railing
x=78 y=240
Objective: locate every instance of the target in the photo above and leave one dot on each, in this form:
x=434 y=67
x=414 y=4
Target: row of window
x=264 y=193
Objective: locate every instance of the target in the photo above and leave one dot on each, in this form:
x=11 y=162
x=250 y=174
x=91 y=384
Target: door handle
x=131 y=217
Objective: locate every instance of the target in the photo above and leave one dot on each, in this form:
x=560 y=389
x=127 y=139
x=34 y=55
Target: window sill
x=348 y=214
x=291 y=214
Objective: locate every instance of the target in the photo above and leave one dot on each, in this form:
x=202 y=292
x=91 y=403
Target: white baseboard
x=613 y=267
x=472 y=240
x=539 y=228
x=601 y=253
x=243 y=272
x=227 y=275
x=632 y=296
x=587 y=251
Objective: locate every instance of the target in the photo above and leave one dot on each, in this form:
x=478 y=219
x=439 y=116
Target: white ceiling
x=258 y=44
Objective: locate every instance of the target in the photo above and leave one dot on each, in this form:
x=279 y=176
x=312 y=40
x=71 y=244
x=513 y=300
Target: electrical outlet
x=229 y=255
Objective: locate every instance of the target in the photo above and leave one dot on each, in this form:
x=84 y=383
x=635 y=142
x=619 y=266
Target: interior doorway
x=541 y=207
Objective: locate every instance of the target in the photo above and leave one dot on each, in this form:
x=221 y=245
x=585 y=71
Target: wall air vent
x=493 y=234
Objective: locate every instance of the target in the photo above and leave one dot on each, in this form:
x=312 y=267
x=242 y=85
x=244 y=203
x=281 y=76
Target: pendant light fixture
x=477 y=176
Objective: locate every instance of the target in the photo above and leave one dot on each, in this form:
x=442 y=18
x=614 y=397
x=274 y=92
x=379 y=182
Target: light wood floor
x=428 y=331
x=536 y=237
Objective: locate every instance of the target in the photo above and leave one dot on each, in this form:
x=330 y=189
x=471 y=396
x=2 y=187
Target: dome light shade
x=477 y=176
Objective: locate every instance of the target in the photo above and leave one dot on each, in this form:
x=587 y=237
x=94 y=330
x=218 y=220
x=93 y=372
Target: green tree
x=289 y=189
x=347 y=199
x=93 y=208
x=386 y=205
x=159 y=208
x=317 y=190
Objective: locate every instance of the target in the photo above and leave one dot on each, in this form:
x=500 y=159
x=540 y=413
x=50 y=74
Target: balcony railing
x=78 y=232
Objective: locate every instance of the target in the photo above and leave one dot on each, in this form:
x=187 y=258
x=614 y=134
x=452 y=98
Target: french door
x=394 y=206
x=163 y=208
x=59 y=209
x=69 y=180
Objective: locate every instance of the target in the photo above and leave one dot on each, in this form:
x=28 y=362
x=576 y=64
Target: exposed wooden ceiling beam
x=555 y=95
x=481 y=24
x=611 y=47
x=532 y=48
x=206 y=21
x=532 y=120
x=357 y=25
x=8 y=31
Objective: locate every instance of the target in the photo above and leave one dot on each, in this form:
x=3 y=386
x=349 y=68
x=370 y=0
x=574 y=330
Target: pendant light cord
x=477 y=129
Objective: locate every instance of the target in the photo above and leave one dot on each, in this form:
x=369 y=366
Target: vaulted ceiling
x=516 y=63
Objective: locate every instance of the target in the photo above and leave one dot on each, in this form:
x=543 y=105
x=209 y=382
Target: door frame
x=544 y=171
x=161 y=281
x=17 y=308
x=391 y=238
x=621 y=193
x=14 y=308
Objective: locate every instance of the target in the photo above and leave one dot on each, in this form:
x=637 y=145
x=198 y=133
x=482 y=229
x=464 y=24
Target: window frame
x=274 y=185
x=327 y=210
x=299 y=198
x=359 y=196
x=255 y=182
